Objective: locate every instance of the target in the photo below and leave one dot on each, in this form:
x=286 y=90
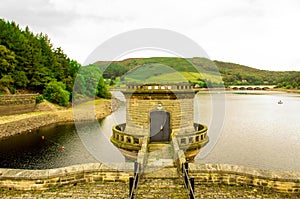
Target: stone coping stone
x=237 y=169
x=22 y=174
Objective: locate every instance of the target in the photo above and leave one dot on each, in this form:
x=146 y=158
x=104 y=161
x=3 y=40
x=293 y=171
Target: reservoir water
x=256 y=132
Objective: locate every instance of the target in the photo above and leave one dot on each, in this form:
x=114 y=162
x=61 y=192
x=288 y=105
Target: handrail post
x=192 y=190
x=136 y=165
x=136 y=172
x=189 y=182
x=131 y=179
x=186 y=166
x=185 y=172
x=186 y=182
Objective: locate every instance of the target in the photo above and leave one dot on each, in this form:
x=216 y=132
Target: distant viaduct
x=233 y=87
x=252 y=87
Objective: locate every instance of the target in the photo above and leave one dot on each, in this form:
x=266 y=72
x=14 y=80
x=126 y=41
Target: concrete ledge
x=20 y=179
x=281 y=181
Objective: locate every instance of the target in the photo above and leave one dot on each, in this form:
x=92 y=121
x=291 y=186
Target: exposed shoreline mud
x=46 y=114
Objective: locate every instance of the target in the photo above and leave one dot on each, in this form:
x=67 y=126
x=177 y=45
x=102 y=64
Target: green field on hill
x=195 y=70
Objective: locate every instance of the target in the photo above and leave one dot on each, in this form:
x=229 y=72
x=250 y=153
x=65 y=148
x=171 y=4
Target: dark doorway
x=159 y=126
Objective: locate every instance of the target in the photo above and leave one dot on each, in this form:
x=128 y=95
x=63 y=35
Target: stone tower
x=159 y=112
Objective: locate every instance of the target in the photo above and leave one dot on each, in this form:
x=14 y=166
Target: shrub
x=55 y=92
x=89 y=82
x=39 y=99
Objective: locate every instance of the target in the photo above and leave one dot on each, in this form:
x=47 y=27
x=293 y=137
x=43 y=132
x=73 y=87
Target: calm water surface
x=257 y=132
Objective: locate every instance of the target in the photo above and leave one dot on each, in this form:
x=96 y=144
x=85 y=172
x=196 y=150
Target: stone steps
x=161 y=183
x=160 y=155
x=158 y=146
x=161 y=188
x=160 y=178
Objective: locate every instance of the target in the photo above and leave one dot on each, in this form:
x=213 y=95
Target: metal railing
x=134 y=181
x=189 y=182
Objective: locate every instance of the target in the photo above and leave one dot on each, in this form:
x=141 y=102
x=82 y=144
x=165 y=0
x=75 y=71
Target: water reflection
x=30 y=151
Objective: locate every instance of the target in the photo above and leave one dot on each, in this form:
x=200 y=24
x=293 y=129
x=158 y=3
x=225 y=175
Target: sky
x=263 y=34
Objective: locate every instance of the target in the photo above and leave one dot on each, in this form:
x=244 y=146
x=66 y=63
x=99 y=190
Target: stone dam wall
x=16 y=104
x=279 y=181
x=20 y=179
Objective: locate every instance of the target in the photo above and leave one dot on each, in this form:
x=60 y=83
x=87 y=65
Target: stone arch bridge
x=252 y=87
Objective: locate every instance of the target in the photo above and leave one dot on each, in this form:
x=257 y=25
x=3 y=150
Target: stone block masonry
x=18 y=179
x=97 y=180
x=139 y=104
x=16 y=104
x=225 y=174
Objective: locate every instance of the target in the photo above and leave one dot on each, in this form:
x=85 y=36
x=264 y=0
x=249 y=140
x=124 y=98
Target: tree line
x=235 y=74
x=29 y=62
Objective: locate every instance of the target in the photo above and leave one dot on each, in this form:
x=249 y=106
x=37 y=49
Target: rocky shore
x=47 y=113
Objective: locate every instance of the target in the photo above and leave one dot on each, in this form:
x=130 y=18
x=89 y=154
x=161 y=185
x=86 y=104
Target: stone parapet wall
x=233 y=175
x=178 y=154
x=17 y=99
x=128 y=143
x=142 y=154
x=12 y=104
x=280 y=181
x=46 y=179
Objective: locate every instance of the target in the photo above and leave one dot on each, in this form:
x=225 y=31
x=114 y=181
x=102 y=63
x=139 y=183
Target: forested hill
x=232 y=74
x=30 y=63
x=236 y=74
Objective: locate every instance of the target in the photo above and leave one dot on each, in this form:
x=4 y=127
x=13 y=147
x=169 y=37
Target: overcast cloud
x=259 y=33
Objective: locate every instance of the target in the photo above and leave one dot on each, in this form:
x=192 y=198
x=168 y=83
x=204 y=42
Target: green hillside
x=195 y=70
x=153 y=73
x=234 y=74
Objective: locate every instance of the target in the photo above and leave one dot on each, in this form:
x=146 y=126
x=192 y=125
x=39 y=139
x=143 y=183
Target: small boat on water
x=280 y=102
